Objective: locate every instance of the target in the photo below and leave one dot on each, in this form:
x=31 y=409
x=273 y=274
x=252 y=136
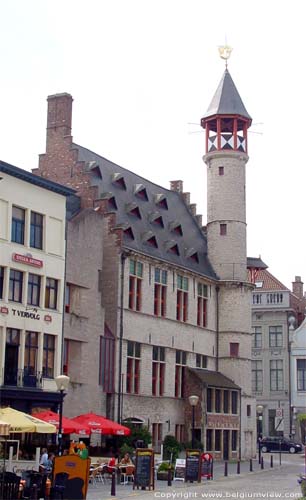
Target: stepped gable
x=149 y=213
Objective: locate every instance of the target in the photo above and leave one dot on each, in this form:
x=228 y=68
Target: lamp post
x=259 y=410
x=62 y=383
x=193 y=401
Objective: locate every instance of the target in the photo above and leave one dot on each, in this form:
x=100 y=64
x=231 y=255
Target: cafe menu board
x=193 y=466
x=179 y=471
x=144 y=472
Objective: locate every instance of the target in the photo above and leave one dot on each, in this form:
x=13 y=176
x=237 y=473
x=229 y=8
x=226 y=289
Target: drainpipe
x=291 y=321
x=64 y=294
x=239 y=449
x=217 y=327
x=120 y=385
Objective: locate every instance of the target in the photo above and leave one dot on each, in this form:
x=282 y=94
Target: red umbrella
x=69 y=426
x=101 y=425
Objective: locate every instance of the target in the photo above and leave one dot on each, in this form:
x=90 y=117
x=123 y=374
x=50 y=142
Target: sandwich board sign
x=179 y=470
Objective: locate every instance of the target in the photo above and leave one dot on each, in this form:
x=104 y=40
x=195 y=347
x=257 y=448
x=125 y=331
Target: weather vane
x=225 y=52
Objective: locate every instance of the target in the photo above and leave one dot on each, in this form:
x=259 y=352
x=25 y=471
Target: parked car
x=277 y=443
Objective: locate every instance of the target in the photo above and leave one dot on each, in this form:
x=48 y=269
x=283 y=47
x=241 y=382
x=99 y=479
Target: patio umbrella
x=101 y=425
x=4 y=428
x=68 y=426
x=22 y=422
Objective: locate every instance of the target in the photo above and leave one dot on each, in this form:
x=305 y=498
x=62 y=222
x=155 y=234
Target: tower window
x=221 y=170
x=223 y=229
x=234 y=349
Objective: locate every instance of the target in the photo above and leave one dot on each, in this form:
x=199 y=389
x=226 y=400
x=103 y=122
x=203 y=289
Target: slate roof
x=35 y=179
x=256 y=262
x=156 y=221
x=227 y=100
x=214 y=379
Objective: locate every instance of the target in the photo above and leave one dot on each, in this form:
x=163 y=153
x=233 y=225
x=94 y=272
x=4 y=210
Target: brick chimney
x=176 y=186
x=59 y=118
x=297 y=287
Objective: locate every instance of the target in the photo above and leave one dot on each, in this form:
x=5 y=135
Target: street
x=279 y=482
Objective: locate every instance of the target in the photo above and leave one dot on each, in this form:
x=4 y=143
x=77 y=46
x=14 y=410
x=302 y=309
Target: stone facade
x=198 y=317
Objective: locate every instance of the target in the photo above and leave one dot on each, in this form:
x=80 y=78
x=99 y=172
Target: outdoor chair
x=59 y=486
x=9 y=486
x=35 y=485
x=127 y=474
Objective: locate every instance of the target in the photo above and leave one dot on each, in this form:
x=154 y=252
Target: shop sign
x=25 y=314
x=48 y=318
x=26 y=259
x=4 y=310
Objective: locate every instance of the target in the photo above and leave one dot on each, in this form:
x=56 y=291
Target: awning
x=22 y=422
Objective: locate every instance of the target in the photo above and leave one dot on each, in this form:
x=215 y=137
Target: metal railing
x=22 y=378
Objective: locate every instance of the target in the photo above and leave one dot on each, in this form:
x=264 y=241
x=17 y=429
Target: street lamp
x=259 y=410
x=193 y=401
x=62 y=383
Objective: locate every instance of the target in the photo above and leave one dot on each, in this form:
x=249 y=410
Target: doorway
x=11 y=364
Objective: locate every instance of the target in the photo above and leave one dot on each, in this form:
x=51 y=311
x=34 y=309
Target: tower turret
x=226 y=122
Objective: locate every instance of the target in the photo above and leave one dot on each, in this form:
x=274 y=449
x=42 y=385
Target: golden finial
x=225 y=52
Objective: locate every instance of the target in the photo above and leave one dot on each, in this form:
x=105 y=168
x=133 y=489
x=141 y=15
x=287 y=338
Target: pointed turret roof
x=227 y=100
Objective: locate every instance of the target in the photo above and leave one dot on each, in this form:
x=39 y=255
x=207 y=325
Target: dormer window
x=141 y=192
x=172 y=247
x=118 y=180
x=128 y=233
x=161 y=201
x=156 y=219
x=175 y=227
x=133 y=209
x=150 y=239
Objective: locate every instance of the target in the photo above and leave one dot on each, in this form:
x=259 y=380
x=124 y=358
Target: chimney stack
x=297 y=287
x=176 y=186
x=59 y=118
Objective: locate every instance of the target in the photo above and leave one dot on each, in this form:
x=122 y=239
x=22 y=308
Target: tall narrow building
x=226 y=123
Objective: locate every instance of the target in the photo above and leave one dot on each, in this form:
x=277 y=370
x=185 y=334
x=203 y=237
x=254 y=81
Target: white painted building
x=32 y=269
x=298 y=380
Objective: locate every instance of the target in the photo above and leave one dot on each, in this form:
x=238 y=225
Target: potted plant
x=163 y=470
x=302 y=482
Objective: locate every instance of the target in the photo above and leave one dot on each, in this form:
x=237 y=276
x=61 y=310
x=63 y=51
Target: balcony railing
x=23 y=378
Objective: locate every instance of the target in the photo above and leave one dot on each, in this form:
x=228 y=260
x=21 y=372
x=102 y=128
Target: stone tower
x=226 y=123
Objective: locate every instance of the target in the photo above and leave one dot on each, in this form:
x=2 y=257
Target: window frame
x=133 y=367
x=158 y=370
x=135 y=285
x=2 y=278
x=275 y=336
x=34 y=289
x=16 y=284
x=301 y=379
x=51 y=293
x=182 y=293
x=18 y=226
x=48 y=350
x=276 y=375
x=36 y=230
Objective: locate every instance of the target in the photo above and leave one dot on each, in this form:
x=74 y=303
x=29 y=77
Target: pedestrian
x=43 y=457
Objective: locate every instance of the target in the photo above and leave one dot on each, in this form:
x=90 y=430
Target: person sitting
x=126 y=460
x=111 y=466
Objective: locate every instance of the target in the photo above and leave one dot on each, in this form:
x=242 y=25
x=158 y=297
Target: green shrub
x=165 y=466
x=137 y=434
x=171 y=446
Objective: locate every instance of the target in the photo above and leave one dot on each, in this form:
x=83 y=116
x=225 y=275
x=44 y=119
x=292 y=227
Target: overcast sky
x=140 y=71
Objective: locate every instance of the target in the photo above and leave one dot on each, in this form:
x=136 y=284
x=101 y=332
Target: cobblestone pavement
x=279 y=482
